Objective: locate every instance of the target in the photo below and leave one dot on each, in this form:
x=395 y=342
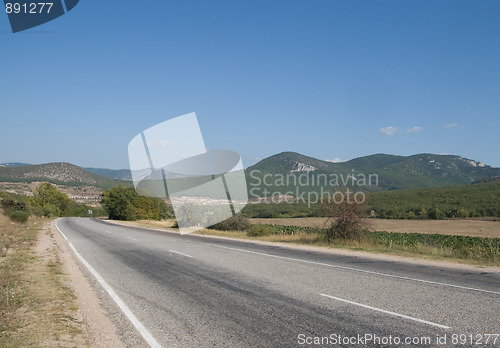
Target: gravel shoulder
x=101 y=330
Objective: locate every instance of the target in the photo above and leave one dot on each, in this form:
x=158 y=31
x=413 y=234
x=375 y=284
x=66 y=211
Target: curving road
x=193 y=291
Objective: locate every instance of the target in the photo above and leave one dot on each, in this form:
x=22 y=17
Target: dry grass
x=469 y=227
x=423 y=252
x=37 y=307
x=160 y=225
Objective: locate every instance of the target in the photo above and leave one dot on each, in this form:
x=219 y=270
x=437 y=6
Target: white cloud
x=414 y=129
x=388 y=130
x=335 y=160
x=451 y=125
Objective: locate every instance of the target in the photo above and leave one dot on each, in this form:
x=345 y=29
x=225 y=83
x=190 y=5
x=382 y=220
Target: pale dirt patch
x=52 y=285
x=466 y=227
x=99 y=328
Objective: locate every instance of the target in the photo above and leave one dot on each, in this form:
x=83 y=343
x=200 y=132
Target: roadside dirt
x=99 y=328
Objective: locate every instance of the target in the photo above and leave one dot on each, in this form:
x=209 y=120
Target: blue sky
x=328 y=79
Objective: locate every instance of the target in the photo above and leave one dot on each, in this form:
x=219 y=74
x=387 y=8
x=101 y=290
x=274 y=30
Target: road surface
x=193 y=291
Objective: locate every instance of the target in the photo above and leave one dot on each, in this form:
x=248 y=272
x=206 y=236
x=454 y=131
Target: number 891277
x=28 y=8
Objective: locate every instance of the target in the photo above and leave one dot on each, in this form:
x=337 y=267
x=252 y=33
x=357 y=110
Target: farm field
x=459 y=227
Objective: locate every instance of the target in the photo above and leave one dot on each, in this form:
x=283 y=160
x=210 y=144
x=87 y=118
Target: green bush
x=260 y=230
x=234 y=223
x=11 y=203
x=123 y=203
x=19 y=216
x=436 y=214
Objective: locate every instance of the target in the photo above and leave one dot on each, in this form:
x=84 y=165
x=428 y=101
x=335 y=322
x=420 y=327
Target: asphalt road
x=192 y=291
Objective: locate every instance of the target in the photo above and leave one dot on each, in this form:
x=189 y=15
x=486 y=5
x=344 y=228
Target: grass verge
x=37 y=307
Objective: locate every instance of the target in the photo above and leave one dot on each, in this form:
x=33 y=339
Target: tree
x=118 y=202
x=51 y=201
x=123 y=203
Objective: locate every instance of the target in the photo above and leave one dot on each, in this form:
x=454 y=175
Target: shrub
x=436 y=214
x=234 y=223
x=19 y=216
x=260 y=230
x=11 y=204
x=346 y=218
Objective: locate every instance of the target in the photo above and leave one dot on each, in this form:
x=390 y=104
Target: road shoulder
x=100 y=328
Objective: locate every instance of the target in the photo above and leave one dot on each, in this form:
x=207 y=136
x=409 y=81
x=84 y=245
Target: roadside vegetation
x=37 y=308
x=46 y=201
x=473 y=250
x=346 y=227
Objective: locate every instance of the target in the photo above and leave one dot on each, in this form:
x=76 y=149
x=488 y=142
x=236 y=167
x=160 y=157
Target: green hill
x=393 y=172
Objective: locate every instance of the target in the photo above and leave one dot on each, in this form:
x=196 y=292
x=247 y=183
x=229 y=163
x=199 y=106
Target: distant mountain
x=289 y=171
x=14 y=164
x=116 y=174
x=393 y=172
x=58 y=173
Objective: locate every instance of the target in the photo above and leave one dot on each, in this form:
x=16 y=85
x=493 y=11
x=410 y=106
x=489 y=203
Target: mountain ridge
x=395 y=172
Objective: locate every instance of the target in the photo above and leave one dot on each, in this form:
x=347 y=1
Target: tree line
x=123 y=203
x=46 y=201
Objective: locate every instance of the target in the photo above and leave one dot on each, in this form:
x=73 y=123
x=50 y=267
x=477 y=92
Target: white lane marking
x=176 y=252
x=135 y=240
x=128 y=313
x=107 y=232
x=387 y=312
x=361 y=270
